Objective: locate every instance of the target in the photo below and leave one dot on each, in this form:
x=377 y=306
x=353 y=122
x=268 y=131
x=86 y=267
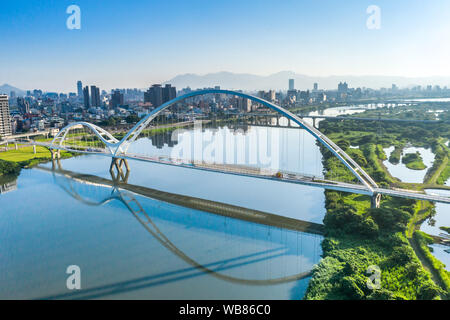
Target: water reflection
x=174 y=252
x=8 y=184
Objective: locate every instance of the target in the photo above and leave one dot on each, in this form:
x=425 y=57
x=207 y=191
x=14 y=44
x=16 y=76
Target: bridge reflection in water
x=234 y=245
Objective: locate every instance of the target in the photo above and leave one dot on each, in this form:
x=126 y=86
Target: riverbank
x=13 y=161
x=358 y=237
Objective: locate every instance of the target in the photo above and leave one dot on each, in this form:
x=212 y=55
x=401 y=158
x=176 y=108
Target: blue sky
x=135 y=43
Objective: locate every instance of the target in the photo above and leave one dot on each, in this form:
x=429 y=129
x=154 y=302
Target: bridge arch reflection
x=108 y=193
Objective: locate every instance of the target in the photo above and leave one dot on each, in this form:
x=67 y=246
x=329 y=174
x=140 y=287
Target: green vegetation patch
x=396 y=154
x=424 y=240
x=9 y=168
x=413 y=161
x=358 y=236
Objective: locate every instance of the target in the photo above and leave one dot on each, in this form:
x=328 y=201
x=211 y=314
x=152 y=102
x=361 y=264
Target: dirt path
x=415 y=224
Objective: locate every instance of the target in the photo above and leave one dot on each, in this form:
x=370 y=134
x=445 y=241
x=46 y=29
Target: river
x=50 y=222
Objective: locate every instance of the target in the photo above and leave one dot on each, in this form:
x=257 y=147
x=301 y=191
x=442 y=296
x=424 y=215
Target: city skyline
x=136 y=43
x=277 y=81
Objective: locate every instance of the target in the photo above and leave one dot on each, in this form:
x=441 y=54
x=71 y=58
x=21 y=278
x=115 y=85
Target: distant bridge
x=333 y=118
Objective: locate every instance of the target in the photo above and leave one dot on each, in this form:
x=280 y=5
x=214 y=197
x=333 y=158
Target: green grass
x=413 y=161
x=26 y=154
x=358 y=236
x=445 y=175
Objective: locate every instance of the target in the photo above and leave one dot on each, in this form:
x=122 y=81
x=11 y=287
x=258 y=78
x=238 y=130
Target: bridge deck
x=263 y=174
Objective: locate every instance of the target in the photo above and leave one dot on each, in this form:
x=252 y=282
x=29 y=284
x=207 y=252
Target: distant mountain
x=6 y=89
x=279 y=81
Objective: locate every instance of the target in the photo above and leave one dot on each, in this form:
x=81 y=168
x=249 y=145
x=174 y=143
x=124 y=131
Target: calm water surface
x=49 y=222
x=405 y=174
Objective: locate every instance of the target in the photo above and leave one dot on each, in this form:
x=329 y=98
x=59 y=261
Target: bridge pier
x=375 y=200
x=117 y=173
x=56 y=164
x=56 y=154
x=314 y=123
x=34 y=148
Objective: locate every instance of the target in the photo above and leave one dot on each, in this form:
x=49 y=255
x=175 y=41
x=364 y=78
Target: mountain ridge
x=279 y=81
x=6 y=89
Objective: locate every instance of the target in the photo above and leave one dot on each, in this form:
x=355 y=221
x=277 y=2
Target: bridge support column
x=376 y=200
x=56 y=154
x=16 y=147
x=56 y=164
x=116 y=170
x=314 y=123
x=34 y=149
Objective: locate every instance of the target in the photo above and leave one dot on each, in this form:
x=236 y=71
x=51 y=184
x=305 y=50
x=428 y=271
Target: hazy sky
x=135 y=43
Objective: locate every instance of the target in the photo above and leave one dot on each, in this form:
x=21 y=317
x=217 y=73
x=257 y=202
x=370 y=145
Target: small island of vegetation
x=414 y=161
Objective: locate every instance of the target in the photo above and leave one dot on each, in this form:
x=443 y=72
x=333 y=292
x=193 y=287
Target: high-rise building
x=158 y=95
x=342 y=87
x=116 y=99
x=86 y=97
x=79 y=88
x=23 y=105
x=5 y=123
x=169 y=93
x=316 y=86
x=95 y=96
x=244 y=104
x=291 y=84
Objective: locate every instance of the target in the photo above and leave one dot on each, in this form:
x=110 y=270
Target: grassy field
x=26 y=154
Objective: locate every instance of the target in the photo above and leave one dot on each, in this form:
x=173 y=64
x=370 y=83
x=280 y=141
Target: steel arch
x=117 y=148
x=357 y=171
x=112 y=143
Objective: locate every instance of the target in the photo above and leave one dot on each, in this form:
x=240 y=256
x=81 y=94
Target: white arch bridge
x=118 y=151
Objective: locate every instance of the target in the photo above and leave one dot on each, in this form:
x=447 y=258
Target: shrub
x=347 y=220
x=428 y=291
x=351 y=288
x=390 y=219
x=401 y=255
x=7 y=167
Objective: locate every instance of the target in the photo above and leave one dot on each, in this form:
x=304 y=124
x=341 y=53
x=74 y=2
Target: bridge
x=110 y=146
x=333 y=118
